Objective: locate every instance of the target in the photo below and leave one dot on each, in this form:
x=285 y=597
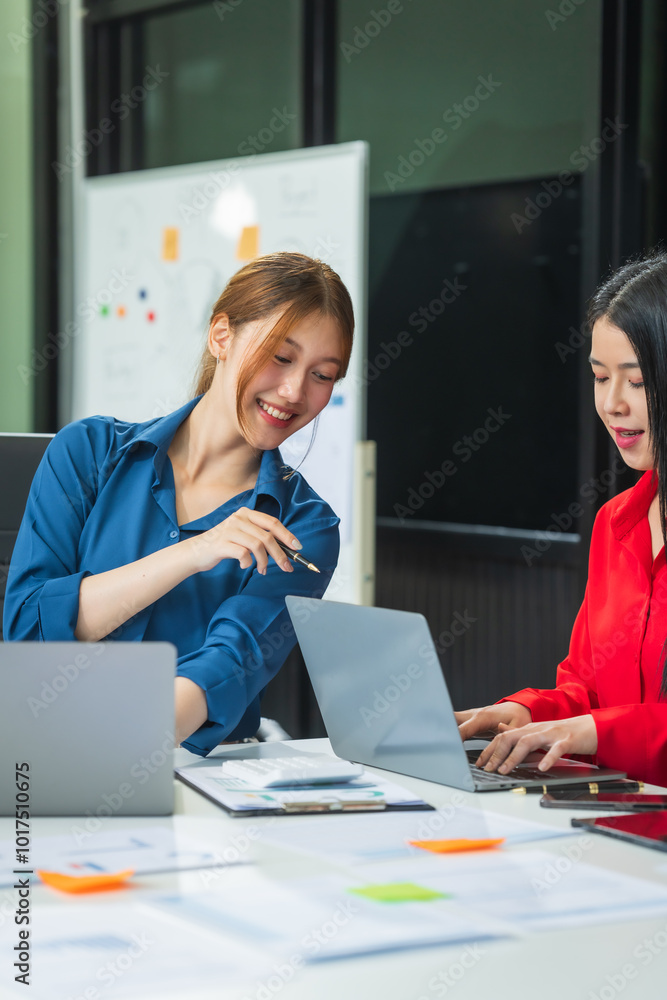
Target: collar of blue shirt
x=274 y=476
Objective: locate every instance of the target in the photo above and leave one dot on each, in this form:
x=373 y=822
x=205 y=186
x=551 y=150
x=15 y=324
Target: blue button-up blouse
x=102 y=497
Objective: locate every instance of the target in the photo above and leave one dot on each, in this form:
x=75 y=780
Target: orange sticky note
x=248 y=244
x=85 y=883
x=170 y=243
x=451 y=846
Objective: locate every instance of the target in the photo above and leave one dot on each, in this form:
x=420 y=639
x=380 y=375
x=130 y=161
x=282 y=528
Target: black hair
x=634 y=299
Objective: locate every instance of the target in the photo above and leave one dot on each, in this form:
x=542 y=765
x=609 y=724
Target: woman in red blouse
x=610 y=698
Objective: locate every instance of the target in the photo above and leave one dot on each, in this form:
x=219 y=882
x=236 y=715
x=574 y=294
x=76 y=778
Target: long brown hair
x=304 y=285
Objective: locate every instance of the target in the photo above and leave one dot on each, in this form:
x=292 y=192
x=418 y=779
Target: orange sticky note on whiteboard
x=452 y=846
x=170 y=236
x=248 y=245
x=85 y=883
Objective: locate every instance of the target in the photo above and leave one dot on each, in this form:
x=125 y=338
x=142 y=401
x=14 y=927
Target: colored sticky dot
x=398 y=892
x=143 y=293
x=104 y=310
x=121 y=310
x=150 y=316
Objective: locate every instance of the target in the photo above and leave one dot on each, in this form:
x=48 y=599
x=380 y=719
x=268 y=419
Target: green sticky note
x=398 y=892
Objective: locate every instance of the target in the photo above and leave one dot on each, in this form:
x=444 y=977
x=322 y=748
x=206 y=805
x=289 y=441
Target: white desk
x=583 y=964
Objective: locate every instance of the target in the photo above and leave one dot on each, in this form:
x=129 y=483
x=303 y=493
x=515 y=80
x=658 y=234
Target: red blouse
x=613 y=668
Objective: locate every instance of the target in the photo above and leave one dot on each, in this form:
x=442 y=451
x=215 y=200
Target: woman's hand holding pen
x=244 y=535
x=107 y=600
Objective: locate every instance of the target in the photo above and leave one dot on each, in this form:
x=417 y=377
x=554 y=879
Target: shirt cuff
x=531 y=702
x=211 y=734
x=225 y=686
x=58 y=608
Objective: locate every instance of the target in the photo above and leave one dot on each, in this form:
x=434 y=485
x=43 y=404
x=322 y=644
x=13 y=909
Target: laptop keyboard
x=493 y=778
x=517 y=774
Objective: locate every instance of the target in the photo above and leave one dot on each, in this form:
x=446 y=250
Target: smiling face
x=620 y=396
x=291 y=389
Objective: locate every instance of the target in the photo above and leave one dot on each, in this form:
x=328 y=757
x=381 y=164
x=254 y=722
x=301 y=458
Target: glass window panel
x=234 y=82
x=472 y=109
x=512 y=91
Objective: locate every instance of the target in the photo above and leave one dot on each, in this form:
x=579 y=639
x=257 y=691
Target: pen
x=297 y=557
x=593 y=787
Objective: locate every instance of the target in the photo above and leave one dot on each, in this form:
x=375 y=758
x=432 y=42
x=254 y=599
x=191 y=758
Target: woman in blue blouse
x=169 y=529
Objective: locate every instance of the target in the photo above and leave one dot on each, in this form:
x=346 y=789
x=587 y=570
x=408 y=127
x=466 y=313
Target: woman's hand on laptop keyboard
x=477 y=720
x=564 y=736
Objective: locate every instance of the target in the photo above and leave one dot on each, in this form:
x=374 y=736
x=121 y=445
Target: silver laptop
x=384 y=701
x=87 y=729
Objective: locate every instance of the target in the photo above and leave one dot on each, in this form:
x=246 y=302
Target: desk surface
x=596 y=962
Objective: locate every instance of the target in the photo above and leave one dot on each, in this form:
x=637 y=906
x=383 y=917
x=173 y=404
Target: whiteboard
x=155 y=249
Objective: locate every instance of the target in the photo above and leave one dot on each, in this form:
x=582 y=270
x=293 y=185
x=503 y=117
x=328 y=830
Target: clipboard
x=365 y=794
